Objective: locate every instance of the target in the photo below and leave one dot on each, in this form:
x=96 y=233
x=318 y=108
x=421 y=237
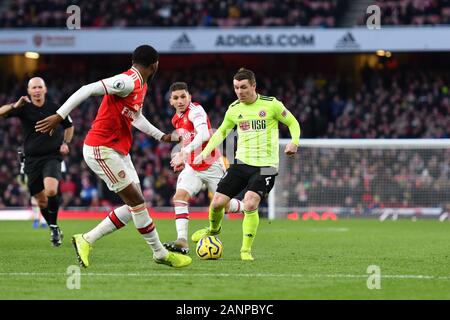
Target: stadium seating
x=231 y=13
x=419 y=101
x=160 y=13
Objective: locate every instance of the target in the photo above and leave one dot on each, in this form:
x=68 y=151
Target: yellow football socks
x=249 y=228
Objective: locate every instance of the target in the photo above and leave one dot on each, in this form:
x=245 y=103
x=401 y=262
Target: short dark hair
x=145 y=55
x=178 y=86
x=243 y=74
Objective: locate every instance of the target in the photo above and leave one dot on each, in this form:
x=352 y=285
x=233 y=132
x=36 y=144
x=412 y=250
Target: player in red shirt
x=192 y=125
x=106 y=151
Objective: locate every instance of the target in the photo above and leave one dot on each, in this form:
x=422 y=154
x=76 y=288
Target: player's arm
x=283 y=115
x=121 y=85
x=142 y=124
x=199 y=120
x=68 y=135
x=7 y=108
x=217 y=138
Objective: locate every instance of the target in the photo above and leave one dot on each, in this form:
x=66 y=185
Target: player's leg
x=235 y=206
x=51 y=193
x=233 y=181
x=37 y=190
x=180 y=202
x=258 y=189
x=38 y=217
x=36 y=187
x=188 y=185
x=119 y=174
x=41 y=202
x=51 y=173
x=212 y=176
x=120 y=216
x=216 y=213
x=133 y=197
x=116 y=219
x=250 y=223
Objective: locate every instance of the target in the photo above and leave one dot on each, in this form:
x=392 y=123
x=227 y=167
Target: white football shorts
x=192 y=180
x=114 y=168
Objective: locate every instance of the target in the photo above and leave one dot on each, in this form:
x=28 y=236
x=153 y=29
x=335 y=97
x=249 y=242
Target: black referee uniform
x=42 y=152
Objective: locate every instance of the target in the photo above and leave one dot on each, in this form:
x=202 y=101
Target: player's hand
x=48 y=124
x=21 y=102
x=198 y=159
x=178 y=159
x=64 y=149
x=290 y=149
x=171 y=138
x=179 y=168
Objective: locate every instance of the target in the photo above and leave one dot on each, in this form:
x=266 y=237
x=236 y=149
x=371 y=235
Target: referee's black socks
x=53 y=207
x=46 y=215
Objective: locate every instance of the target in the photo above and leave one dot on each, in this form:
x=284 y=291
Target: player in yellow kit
x=257 y=155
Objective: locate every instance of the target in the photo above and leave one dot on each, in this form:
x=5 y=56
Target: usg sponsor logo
x=265 y=40
x=347 y=42
x=182 y=43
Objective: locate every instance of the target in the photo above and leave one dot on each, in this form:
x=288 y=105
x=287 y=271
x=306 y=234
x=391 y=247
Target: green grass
x=294 y=260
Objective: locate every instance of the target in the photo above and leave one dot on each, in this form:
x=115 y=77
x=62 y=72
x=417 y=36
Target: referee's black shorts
x=38 y=168
x=242 y=176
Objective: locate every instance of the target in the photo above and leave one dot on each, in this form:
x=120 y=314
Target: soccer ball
x=209 y=248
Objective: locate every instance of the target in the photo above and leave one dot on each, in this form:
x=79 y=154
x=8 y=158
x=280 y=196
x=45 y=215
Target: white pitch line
x=242 y=275
x=327 y=229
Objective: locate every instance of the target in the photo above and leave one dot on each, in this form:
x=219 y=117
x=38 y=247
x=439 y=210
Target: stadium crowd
x=366 y=179
x=169 y=13
x=388 y=104
x=223 y=13
x=413 y=12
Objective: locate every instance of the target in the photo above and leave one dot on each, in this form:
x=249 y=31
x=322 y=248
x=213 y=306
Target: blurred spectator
x=68 y=189
x=412 y=12
x=166 y=13
x=89 y=193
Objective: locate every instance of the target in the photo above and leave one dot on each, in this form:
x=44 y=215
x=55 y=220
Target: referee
x=43 y=152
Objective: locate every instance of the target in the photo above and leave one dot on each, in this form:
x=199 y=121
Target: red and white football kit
x=107 y=144
x=211 y=170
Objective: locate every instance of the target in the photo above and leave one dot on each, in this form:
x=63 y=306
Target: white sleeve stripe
x=136 y=72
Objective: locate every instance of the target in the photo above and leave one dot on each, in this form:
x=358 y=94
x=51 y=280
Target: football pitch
x=294 y=260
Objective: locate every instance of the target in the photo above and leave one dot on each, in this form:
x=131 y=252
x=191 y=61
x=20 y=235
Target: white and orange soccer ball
x=209 y=248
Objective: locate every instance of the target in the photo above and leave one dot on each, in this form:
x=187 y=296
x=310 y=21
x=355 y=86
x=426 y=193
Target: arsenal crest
x=121 y=174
